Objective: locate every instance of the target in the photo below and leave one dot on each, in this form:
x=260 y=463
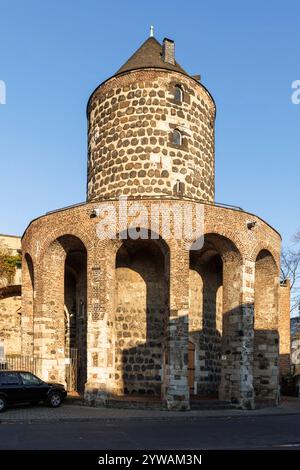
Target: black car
x=24 y=387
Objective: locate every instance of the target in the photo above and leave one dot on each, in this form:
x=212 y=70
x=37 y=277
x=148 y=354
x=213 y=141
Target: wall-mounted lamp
x=94 y=213
x=251 y=225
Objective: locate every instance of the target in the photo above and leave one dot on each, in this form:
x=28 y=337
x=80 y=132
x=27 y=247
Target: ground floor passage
x=215 y=347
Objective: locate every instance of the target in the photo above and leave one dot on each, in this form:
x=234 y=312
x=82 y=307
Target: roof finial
x=151 y=31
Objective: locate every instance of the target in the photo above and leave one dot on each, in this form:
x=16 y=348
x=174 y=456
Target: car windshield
x=29 y=379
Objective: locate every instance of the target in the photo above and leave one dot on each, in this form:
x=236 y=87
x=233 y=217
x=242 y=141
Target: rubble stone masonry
x=10 y=301
x=131 y=122
x=151 y=316
x=138 y=328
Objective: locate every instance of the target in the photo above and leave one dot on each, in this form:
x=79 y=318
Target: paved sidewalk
x=71 y=412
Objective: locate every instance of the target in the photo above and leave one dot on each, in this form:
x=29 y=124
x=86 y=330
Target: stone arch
x=217 y=260
x=59 y=233
x=266 y=338
x=224 y=238
x=28 y=294
x=141 y=316
x=230 y=254
x=264 y=247
x=237 y=330
x=64 y=292
x=145 y=233
x=30 y=270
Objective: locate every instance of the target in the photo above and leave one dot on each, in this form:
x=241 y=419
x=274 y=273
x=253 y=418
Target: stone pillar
x=237 y=342
x=27 y=306
x=100 y=301
x=266 y=339
x=176 y=389
x=49 y=321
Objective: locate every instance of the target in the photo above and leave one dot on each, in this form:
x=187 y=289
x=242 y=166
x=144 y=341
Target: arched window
x=178 y=94
x=176 y=137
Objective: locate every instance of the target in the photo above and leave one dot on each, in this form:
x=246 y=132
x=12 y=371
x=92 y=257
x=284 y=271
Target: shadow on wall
x=142 y=312
x=266 y=337
x=214 y=349
x=285 y=364
x=205 y=325
x=266 y=365
x=289 y=376
x=144 y=368
x=147 y=345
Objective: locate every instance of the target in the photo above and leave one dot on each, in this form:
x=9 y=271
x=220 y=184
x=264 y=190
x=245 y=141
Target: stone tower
x=151 y=130
x=153 y=316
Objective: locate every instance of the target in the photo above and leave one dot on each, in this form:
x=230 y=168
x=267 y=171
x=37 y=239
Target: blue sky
x=54 y=53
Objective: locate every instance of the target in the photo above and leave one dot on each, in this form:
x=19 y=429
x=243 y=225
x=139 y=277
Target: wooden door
x=191 y=367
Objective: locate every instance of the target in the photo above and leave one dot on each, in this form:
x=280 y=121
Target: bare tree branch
x=290 y=269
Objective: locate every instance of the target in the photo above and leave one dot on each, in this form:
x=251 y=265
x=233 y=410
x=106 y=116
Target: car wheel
x=2 y=404
x=54 y=400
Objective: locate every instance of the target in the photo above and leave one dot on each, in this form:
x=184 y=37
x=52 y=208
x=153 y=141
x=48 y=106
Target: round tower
x=151 y=131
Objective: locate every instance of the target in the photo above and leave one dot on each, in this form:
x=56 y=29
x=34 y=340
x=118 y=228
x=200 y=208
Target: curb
x=139 y=418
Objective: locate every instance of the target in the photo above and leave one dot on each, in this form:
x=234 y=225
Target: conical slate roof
x=149 y=55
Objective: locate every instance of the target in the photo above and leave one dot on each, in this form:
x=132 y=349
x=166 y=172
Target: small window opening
x=177 y=137
x=178 y=94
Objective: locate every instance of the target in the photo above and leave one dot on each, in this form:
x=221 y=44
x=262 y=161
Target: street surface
x=238 y=432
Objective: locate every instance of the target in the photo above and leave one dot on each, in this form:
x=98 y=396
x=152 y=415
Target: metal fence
x=34 y=365
x=26 y=363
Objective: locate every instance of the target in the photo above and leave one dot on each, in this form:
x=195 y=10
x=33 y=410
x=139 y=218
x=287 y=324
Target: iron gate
x=71 y=364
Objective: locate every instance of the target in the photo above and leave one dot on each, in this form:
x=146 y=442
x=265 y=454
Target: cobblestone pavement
x=73 y=412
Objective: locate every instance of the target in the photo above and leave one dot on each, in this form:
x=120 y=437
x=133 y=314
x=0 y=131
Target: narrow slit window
x=178 y=94
x=176 y=137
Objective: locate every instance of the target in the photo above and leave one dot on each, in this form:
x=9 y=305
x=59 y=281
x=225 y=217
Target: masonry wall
x=131 y=121
x=266 y=336
x=12 y=244
x=284 y=328
x=205 y=324
x=10 y=323
x=140 y=321
x=225 y=231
